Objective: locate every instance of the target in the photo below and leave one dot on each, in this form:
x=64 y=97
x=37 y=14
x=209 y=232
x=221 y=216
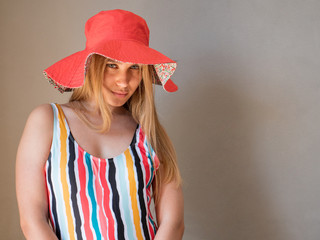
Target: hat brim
x=69 y=72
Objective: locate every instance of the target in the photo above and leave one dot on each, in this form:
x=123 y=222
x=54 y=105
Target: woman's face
x=120 y=81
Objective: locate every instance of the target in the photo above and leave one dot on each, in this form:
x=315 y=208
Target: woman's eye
x=111 y=65
x=135 y=67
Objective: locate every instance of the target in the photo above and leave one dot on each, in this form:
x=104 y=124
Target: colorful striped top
x=94 y=198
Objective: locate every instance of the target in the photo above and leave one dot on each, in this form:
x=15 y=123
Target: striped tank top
x=94 y=198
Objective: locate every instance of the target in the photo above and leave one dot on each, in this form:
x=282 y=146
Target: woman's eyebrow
x=116 y=62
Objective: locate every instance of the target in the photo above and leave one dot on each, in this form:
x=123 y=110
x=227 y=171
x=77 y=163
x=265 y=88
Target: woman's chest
x=102 y=144
x=69 y=161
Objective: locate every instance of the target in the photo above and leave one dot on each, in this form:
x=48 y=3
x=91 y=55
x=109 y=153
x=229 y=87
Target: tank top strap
x=60 y=127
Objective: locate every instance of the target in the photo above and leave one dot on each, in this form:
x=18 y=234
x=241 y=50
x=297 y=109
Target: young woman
x=89 y=169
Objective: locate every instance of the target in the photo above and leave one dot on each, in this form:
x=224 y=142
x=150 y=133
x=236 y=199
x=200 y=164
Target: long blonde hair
x=142 y=107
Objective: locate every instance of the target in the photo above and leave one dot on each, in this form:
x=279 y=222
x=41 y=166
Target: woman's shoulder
x=41 y=118
x=37 y=135
x=41 y=113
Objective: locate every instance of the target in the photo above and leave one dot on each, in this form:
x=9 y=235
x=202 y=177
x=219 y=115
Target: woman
x=89 y=168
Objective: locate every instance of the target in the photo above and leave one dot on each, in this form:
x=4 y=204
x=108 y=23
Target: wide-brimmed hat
x=118 y=35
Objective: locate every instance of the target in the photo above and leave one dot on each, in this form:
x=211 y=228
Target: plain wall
x=245 y=121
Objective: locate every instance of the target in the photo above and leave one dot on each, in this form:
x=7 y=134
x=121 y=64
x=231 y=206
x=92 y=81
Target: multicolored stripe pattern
x=94 y=198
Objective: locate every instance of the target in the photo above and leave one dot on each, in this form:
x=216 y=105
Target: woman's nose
x=122 y=79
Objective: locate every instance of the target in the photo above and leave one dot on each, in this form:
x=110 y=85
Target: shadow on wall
x=226 y=190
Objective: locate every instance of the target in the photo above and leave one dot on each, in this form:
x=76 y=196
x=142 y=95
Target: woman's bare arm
x=32 y=154
x=170 y=212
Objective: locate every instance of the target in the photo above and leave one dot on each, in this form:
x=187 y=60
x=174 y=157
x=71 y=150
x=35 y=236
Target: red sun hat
x=118 y=35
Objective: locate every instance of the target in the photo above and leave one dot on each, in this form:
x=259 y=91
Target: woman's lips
x=120 y=94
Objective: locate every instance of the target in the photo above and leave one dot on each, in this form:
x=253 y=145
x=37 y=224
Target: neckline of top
x=63 y=117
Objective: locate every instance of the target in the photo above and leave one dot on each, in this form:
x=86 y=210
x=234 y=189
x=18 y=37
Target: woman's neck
x=91 y=106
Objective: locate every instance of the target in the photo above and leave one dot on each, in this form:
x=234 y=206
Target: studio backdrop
x=245 y=120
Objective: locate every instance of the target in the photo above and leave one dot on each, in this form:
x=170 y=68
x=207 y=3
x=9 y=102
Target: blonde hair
x=142 y=107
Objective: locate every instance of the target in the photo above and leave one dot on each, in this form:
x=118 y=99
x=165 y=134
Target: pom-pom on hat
x=118 y=35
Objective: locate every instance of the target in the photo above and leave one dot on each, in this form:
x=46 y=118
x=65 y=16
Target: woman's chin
x=116 y=104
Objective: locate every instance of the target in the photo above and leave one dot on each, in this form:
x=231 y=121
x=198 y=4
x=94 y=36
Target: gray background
x=245 y=121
